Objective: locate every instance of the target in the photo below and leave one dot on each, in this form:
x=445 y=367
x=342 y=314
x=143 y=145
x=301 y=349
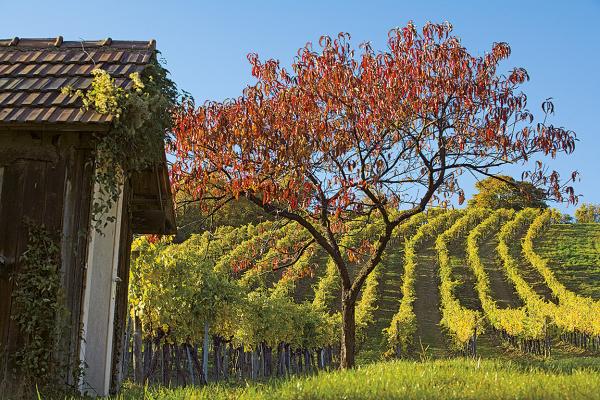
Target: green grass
x=442 y=379
x=574 y=254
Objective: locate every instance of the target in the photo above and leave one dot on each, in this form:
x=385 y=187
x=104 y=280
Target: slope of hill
x=573 y=251
x=574 y=254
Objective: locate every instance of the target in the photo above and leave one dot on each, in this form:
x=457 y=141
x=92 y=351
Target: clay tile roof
x=33 y=72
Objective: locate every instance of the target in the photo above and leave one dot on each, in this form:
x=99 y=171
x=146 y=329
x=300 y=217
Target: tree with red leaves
x=350 y=134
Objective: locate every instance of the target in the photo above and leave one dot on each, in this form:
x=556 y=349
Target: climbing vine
x=141 y=122
x=39 y=309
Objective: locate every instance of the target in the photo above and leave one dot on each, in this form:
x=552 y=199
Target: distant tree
x=588 y=213
x=564 y=218
x=345 y=136
x=505 y=192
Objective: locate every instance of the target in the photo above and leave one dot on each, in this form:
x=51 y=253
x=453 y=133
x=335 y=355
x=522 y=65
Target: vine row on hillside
x=284 y=251
x=579 y=316
x=255 y=245
x=463 y=324
x=402 y=328
x=541 y=314
x=513 y=324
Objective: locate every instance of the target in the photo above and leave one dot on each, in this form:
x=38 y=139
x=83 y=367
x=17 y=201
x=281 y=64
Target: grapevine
x=403 y=325
x=578 y=316
x=541 y=314
x=511 y=323
x=462 y=323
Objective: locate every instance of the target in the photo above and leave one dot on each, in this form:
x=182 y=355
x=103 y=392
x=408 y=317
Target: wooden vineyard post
x=205 y=352
x=292 y=360
x=240 y=362
x=217 y=357
x=307 y=363
x=253 y=372
x=190 y=363
x=166 y=364
x=547 y=340
x=138 y=362
x=180 y=376
x=280 y=359
x=201 y=376
x=226 y=352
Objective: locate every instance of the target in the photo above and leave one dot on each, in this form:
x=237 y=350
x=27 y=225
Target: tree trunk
x=348 y=342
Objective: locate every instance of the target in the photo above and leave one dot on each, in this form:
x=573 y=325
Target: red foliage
x=154 y=238
x=346 y=131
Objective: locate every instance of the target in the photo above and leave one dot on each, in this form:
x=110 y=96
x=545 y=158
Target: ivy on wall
x=141 y=122
x=39 y=310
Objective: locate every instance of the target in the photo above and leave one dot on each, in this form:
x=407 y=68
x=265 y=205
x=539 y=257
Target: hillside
x=572 y=252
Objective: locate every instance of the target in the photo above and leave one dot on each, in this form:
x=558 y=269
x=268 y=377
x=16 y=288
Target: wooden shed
x=46 y=176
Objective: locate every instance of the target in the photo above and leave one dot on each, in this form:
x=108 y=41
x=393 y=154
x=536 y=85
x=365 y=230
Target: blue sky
x=205 y=44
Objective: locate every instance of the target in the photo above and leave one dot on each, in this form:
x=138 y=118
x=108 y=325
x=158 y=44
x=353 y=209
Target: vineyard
x=366 y=216
x=261 y=301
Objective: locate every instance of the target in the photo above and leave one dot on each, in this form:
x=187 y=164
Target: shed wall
x=46 y=180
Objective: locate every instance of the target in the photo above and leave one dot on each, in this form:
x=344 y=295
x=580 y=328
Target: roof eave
x=57 y=126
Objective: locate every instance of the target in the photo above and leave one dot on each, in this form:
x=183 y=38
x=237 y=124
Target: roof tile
x=33 y=72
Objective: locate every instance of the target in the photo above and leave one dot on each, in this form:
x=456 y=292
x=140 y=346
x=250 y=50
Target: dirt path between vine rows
x=427 y=303
x=527 y=271
x=502 y=290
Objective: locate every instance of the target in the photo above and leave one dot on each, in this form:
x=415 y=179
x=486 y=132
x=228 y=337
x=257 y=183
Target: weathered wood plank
x=75 y=221
x=33 y=182
x=10 y=227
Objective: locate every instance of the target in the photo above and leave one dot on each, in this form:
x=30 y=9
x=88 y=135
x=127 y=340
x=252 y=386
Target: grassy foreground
x=441 y=379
